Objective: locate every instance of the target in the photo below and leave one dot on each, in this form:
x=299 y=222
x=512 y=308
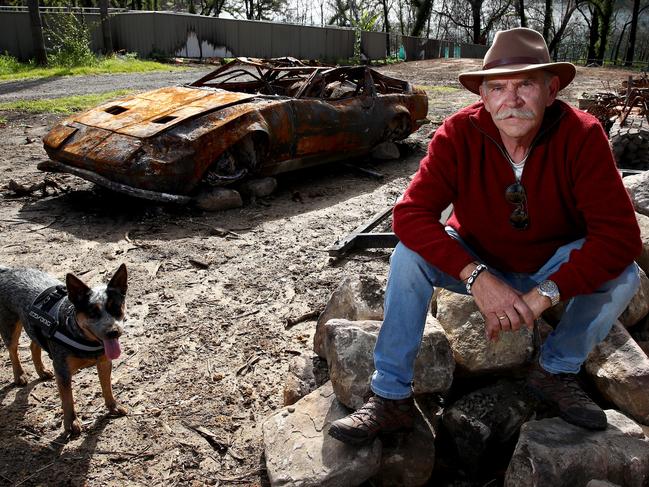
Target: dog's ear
x=118 y=281
x=78 y=292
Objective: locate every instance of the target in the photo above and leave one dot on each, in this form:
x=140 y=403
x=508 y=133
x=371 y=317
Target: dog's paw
x=74 y=427
x=117 y=410
x=46 y=374
x=21 y=380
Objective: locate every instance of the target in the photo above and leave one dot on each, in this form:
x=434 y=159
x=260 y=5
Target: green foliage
x=64 y=105
x=10 y=65
x=11 y=69
x=69 y=42
x=366 y=22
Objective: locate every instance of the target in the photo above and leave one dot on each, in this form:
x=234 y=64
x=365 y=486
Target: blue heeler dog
x=77 y=325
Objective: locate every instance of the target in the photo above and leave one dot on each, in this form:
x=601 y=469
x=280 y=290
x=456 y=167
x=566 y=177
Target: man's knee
x=628 y=281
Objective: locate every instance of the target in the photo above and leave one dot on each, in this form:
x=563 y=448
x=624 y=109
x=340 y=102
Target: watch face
x=549 y=287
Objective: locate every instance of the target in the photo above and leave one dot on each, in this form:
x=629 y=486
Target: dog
x=77 y=325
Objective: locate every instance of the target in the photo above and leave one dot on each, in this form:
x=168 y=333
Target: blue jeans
x=587 y=320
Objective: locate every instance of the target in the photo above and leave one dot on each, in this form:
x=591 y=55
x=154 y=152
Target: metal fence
x=169 y=34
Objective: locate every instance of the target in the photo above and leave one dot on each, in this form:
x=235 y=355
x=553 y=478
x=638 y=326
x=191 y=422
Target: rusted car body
x=246 y=118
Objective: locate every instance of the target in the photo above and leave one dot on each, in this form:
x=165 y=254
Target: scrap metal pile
x=624 y=114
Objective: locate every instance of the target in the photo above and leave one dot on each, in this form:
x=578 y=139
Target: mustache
x=515 y=112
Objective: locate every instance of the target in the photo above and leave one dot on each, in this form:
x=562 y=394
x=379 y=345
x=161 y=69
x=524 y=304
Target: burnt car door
x=334 y=113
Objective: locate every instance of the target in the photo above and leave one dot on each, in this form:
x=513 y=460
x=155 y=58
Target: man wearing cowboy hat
x=539 y=215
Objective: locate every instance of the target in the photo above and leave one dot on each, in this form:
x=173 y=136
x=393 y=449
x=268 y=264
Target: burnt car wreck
x=244 y=119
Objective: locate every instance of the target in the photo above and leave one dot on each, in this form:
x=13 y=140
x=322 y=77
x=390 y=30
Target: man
x=539 y=215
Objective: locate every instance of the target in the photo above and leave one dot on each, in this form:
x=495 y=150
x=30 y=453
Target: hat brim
x=472 y=79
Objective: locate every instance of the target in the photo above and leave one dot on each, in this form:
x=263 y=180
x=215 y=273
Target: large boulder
x=638 y=188
x=465 y=329
x=553 y=452
x=486 y=418
x=299 y=452
x=305 y=374
x=620 y=370
x=355 y=299
x=350 y=346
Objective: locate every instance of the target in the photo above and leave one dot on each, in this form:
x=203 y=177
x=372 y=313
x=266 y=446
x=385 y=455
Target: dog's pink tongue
x=111 y=347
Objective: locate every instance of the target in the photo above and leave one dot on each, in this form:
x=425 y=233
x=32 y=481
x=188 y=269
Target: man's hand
x=536 y=302
x=502 y=306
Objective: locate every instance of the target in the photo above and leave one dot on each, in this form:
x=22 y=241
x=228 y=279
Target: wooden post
x=105 y=27
x=37 y=32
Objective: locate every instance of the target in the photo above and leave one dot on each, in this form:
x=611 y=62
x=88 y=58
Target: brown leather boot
x=563 y=393
x=378 y=415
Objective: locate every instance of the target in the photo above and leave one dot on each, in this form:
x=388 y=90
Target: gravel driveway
x=58 y=87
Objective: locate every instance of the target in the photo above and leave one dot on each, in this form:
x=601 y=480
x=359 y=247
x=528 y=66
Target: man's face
x=517 y=102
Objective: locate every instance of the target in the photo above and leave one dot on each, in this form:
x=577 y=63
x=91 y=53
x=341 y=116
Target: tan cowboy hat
x=517 y=51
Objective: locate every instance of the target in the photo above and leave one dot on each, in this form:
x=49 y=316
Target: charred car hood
x=148 y=114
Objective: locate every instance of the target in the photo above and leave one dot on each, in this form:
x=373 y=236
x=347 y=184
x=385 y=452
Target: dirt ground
x=206 y=342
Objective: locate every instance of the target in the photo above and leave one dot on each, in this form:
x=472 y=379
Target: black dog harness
x=53 y=319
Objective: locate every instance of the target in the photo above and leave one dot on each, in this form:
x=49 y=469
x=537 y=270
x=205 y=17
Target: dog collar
x=54 y=320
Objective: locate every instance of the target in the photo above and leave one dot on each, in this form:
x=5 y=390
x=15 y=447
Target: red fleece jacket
x=573 y=191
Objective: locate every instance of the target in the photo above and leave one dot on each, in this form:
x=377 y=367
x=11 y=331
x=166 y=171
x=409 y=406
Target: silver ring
x=502 y=317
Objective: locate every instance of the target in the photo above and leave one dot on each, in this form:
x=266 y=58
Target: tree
x=423 y=9
x=628 y=61
x=37 y=32
x=386 y=25
x=599 y=22
x=341 y=13
x=264 y=9
x=480 y=20
x=547 y=20
x=520 y=6
x=105 y=26
x=553 y=44
x=604 y=28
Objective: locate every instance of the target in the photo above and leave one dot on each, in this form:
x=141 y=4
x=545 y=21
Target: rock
x=553 y=452
x=258 y=188
x=215 y=199
x=484 y=419
x=638 y=308
x=299 y=452
x=434 y=365
x=601 y=483
x=408 y=459
x=474 y=354
x=355 y=299
x=350 y=346
x=305 y=375
x=645 y=347
x=643 y=258
x=620 y=370
x=386 y=151
x=637 y=186
x=640 y=332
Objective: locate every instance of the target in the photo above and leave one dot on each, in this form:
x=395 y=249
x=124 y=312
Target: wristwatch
x=549 y=289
